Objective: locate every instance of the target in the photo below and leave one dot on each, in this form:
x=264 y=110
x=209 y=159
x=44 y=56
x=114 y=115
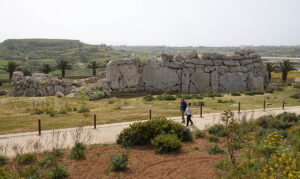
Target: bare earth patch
x=145 y=163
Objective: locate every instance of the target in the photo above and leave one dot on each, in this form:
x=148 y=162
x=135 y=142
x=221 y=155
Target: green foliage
x=198 y=103
x=213 y=138
x=149 y=97
x=225 y=101
x=166 y=97
x=261 y=133
x=215 y=149
x=119 y=162
x=199 y=134
x=236 y=145
x=58 y=172
x=78 y=151
x=296 y=85
x=165 y=143
x=235 y=94
x=94 y=66
x=223 y=164
x=29 y=172
x=285 y=67
x=212 y=94
x=63 y=65
x=217 y=129
x=46 y=68
x=281 y=121
x=3 y=160
x=197 y=96
x=269 y=90
x=195 y=148
x=10 y=68
x=5 y=173
x=26 y=159
x=83 y=109
x=295 y=96
x=252 y=93
x=48 y=161
x=141 y=133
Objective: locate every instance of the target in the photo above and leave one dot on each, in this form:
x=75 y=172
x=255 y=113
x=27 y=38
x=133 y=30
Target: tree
x=93 y=65
x=46 y=68
x=270 y=68
x=10 y=68
x=63 y=65
x=285 y=67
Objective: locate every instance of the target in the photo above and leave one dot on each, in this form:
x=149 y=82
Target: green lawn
x=17 y=114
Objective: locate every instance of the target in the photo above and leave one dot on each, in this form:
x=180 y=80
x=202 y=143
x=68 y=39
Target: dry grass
x=18 y=114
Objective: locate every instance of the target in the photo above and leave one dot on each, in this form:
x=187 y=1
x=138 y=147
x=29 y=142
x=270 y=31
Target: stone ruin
x=243 y=71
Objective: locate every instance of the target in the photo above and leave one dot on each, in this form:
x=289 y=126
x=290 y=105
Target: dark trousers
x=189 y=120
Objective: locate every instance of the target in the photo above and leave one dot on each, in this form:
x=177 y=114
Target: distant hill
x=266 y=51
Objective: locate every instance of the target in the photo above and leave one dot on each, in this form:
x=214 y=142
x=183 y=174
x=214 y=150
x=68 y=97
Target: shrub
x=279 y=122
x=213 y=138
x=215 y=149
x=296 y=85
x=187 y=96
x=236 y=145
x=48 y=161
x=195 y=148
x=5 y=173
x=261 y=133
x=166 y=97
x=141 y=133
x=148 y=97
x=198 y=103
x=1 y=84
x=288 y=117
x=26 y=159
x=78 y=151
x=197 y=96
x=295 y=96
x=83 y=109
x=217 y=129
x=57 y=152
x=59 y=172
x=252 y=93
x=165 y=143
x=235 y=94
x=29 y=172
x=212 y=94
x=119 y=162
x=3 y=160
x=199 y=134
x=223 y=164
x=269 y=90
x=225 y=101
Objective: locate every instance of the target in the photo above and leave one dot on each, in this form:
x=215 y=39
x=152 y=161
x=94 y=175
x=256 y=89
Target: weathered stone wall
x=39 y=85
x=243 y=70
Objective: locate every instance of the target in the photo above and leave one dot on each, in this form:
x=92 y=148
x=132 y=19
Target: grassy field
x=20 y=114
x=290 y=75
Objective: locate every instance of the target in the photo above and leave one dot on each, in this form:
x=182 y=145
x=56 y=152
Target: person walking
x=189 y=114
x=183 y=106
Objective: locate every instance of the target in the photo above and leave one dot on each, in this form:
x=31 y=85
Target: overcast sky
x=154 y=22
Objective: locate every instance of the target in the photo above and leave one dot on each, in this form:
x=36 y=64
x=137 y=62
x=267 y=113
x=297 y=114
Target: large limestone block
x=185 y=78
x=130 y=74
x=201 y=81
x=233 y=82
x=215 y=81
x=159 y=78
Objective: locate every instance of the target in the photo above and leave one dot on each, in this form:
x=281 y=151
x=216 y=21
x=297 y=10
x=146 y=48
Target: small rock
x=59 y=94
x=76 y=83
x=107 y=92
x=2 y=93
x=71 y=95
x=193 y=55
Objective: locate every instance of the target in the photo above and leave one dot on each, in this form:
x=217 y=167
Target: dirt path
x=108 y=133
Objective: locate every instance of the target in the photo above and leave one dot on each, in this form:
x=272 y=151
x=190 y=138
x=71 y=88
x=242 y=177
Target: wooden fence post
x=150 y=114
x=95 y=121
x=39 y=125
x=283 y=104
x=264 y=105
x=201 y=110
x=239 y=107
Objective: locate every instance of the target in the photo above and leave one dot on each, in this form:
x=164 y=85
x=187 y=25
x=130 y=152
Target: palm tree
x=285 y=67
x=63 y=65
x=270 y=68
x=46 y=68
x=93 y=65
x=10 y=68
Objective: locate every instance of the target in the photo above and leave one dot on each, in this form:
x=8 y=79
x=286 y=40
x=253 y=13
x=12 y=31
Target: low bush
x=166 y=97
x=78 y=151
x=296 y=85
x=148 y=97
x=199 y=134
x=215 y=149
x=225 y=101
x=3 y=160
x=235 y=94
x=141 y=133
x=187 y=96
x=217 y=129
x=281 y=121
x=288 y=117
x=271 y=90
x=213 y=138
x=5 y=173
x=197 y=96
x=236 y=145
x=295 y=96
x=58 y=172
x=252 y=93
x=261 y=133
x=119 y=162
x=26 y=159
x=29 y=172
x=212 y=94
x=198 y=103
x=195 y=148
x=57 y=152
x=165 y=143
x=223 y=164
x=48 y=161
x=83 y=109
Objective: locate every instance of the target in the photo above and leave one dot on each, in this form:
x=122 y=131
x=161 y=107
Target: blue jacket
x=183 y=106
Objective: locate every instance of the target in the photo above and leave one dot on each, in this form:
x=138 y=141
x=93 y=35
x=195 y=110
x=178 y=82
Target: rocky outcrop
x=243 y=70
x=39 y=85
